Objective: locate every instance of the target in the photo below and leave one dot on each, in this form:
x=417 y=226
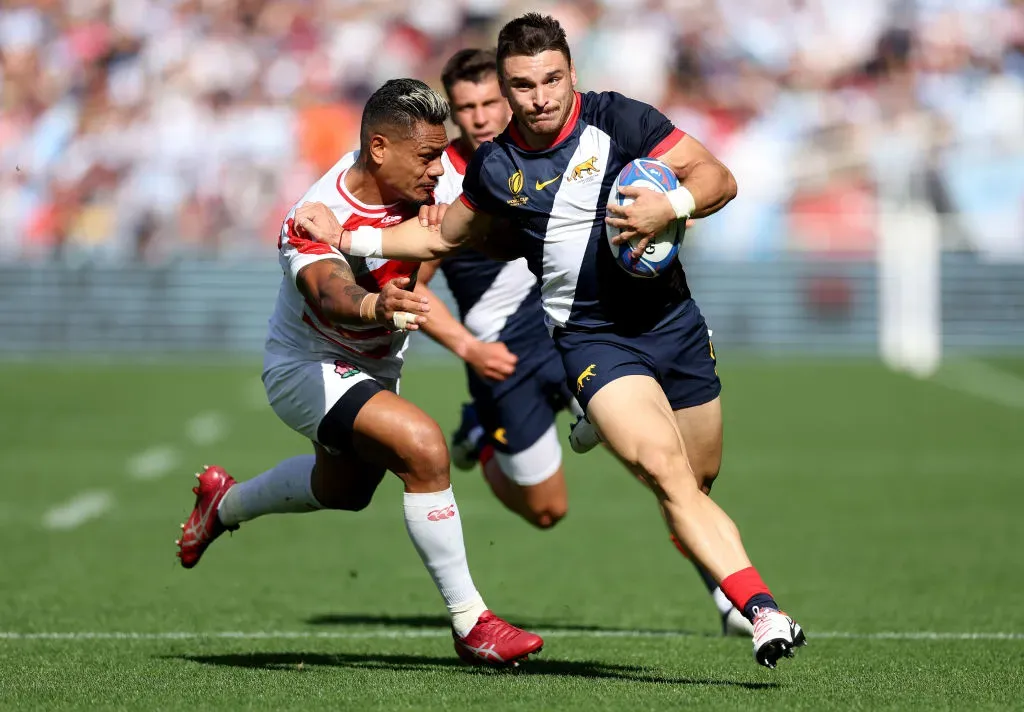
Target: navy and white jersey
x=553 y=201
x=497 y=301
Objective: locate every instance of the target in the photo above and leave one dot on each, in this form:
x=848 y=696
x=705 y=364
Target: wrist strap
x=366 y=242
x=368 y=308
x=682 y=202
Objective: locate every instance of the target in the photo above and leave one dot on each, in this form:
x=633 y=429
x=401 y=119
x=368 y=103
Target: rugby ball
x=664 y=248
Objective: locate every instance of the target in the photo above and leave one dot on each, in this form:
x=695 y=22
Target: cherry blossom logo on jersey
x=391 y=219
x=437 y=515
x=345 y=370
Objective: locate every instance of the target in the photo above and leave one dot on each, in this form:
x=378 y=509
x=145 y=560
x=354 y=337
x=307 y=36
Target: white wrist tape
x=366 y=242
x=681 y=199
x=403 y=319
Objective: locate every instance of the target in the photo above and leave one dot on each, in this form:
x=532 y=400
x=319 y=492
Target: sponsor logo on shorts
x=345 y=370
x=588 y=373
x=499 y=435
x=438 y=515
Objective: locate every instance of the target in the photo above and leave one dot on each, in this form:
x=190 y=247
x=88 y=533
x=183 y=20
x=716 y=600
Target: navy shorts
x=516 y=412
x=677 y=353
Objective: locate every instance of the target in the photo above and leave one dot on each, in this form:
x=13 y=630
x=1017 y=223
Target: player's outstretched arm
x=446 y=230
x=492 y=361
x=331 y=287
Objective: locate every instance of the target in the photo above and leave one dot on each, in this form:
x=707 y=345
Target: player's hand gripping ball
x=664 y=247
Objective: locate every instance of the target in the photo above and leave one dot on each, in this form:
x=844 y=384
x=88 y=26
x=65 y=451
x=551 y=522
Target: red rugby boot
x=494 y=642
x=203 y=525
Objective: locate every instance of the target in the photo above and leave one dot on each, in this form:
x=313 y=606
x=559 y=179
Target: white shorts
x=535 y=464
x=302 y=391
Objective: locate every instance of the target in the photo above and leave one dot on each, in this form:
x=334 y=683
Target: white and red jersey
x=297 y=329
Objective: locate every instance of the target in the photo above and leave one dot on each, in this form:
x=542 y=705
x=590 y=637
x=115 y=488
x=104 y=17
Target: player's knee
x=549 y=515
x=665 y=469
x=425 y=454
x=706 y=477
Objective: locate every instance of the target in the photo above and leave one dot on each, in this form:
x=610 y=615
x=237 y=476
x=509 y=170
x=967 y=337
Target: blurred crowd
x=154 y=129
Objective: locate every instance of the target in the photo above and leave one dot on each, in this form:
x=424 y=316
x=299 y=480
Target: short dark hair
x=400 y=104
x=468 y=65
x=530 y=35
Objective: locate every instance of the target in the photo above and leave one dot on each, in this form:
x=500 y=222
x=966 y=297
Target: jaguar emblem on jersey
x=345 y=370
x=515 y=186
x=584 y=170
x=588 y=373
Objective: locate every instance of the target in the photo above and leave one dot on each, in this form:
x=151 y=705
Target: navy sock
x=759 y=600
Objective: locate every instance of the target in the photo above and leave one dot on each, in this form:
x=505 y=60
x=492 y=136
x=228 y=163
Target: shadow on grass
x=444 y=622
x=369 y=661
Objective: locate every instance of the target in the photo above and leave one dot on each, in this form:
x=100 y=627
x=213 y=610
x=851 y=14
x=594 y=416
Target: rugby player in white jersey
x=331 y=368
x=637 y=351
x=514 y=373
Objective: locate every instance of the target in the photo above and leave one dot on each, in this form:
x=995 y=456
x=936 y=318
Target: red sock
x=746 y=589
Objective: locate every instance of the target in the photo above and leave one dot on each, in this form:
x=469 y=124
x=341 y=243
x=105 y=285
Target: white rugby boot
x=583 y=436
x=735 y=625
x=776 y=635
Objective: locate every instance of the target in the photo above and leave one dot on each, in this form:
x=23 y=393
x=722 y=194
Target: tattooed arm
x=330 y=286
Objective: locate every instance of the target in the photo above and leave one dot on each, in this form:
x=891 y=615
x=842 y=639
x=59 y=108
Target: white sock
x=723 y=603
x=286 y=487
x=435 y=528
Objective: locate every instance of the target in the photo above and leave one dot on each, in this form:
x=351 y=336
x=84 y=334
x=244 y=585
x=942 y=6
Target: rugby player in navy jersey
x=514 y=373
x=637 y=352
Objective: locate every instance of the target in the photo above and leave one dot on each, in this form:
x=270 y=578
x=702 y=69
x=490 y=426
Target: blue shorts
x=518 y=411
x=677 y=353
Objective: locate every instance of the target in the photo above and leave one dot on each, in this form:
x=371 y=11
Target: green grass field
x=872 y=504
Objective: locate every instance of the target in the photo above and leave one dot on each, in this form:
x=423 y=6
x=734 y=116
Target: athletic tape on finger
x=403 y=319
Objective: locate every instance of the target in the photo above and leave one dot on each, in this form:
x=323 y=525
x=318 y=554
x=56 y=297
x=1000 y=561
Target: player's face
x=540 y=91
x=479 y=109
x=411 y=165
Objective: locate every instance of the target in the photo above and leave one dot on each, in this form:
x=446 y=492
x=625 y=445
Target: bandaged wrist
x=368 y=308
x=366 y=242
x=682 y=202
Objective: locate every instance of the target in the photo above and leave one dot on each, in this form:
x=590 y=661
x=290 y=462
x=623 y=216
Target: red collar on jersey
x=574 y=116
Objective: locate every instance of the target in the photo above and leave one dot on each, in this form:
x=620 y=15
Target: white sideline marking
x=206 y=428
x=983 y=380
x=153 y=463
x=78 y=510
x=403 y=633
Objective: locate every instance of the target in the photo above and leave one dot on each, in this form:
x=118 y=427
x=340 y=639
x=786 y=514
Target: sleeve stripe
x=306 y=247
x=309 y=247
x=468 y=203
x=667 y=143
